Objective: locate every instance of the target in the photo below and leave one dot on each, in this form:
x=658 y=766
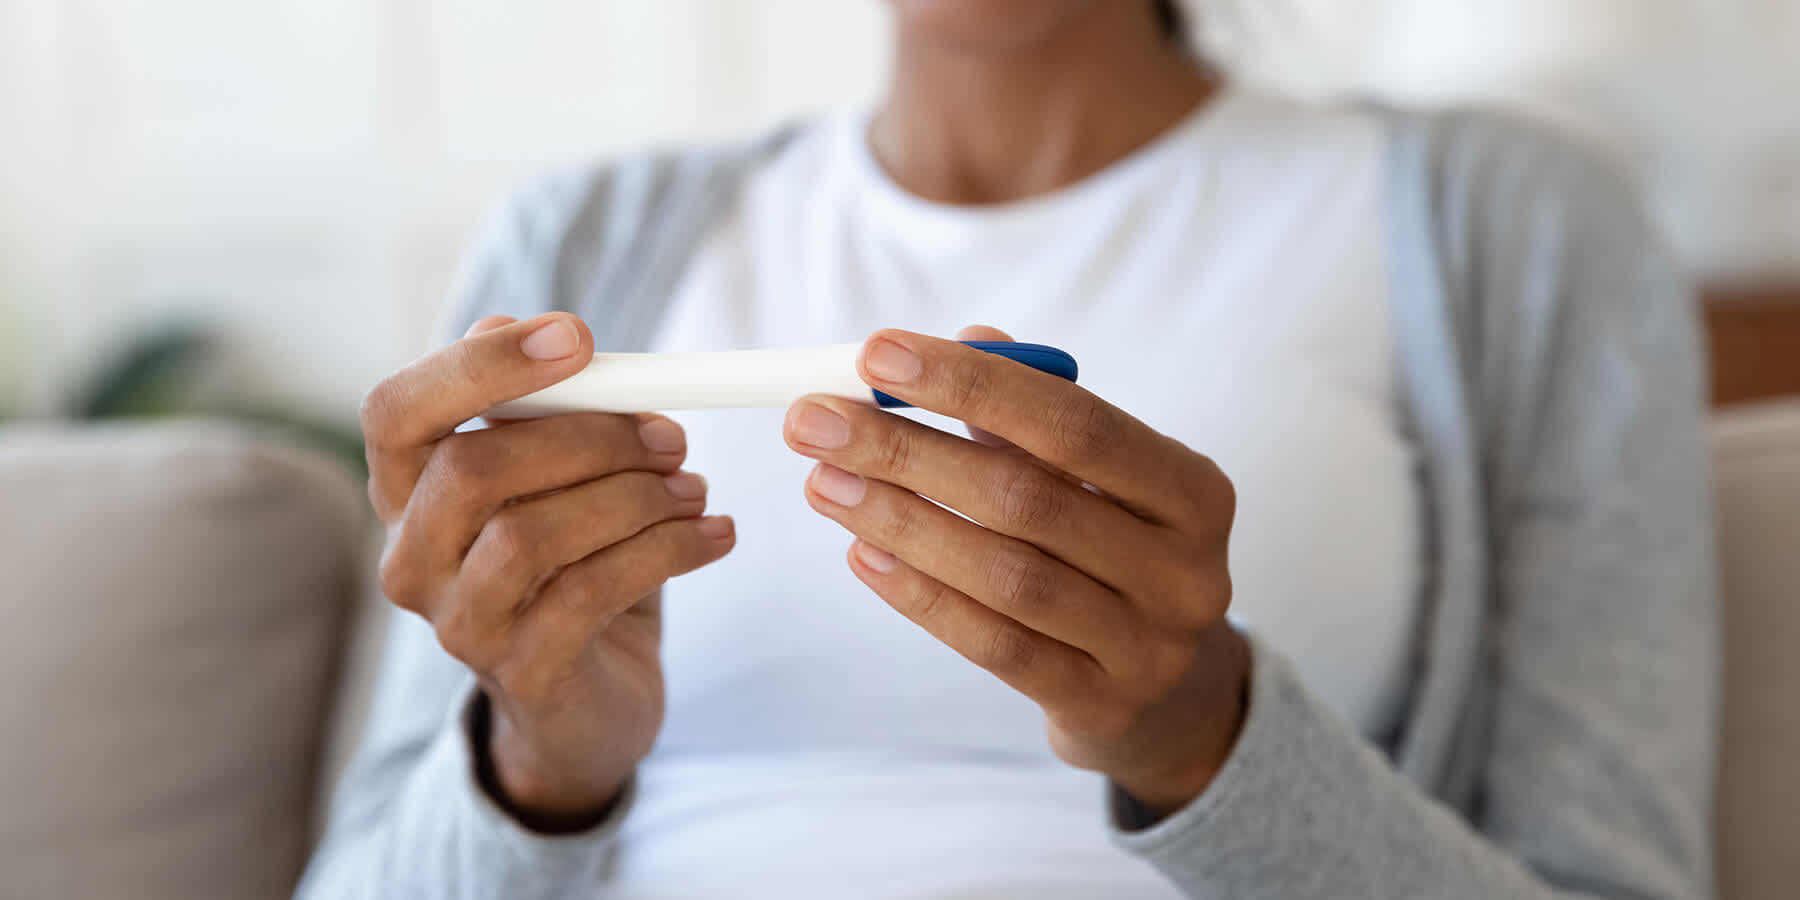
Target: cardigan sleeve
x=1600 y=663
x=412 y=819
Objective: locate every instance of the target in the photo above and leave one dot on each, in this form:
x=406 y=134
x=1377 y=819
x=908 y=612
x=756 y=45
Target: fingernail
x=685 y=486
x=817 y=426
x=557 y=340
x=663 y=437
x=892 y=363
x=717 y=528
x=876 y=558
x=839 y=486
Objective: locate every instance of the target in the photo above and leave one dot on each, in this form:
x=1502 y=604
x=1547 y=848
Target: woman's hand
x=1105 y=605
x=535 y=550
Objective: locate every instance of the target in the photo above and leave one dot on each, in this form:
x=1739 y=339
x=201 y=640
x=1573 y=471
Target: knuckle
x=1080 y=428
x=1223 y=493
x=462 y=366
x=1107 y=719
x=672 y=548
x=903 y=522
x=1166 y=666
x=1225 y=490
x=459 y=637
x=1210 y=497
x=646 y=498
x=584 y=596
x=1184 y=597
x=382 y=413
x=930 y=601
x=969 y=382
x=632 y=575
x=894 y=452
x=1070 y=743
x=688 y=548
x=461 y=465
x=1210 y=586
x=378 y=498
x=513 y=540
x=402 y=585
x=1031 y=498
x=1201 y=594
x=1008 y=648
x=1024 y=583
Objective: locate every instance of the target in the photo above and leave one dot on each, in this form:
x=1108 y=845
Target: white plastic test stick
x=660 y=382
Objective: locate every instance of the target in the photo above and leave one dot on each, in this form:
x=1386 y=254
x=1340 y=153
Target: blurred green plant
x=151 y=377
x=174 y=372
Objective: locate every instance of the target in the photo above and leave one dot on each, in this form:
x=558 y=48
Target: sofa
x=187 y=633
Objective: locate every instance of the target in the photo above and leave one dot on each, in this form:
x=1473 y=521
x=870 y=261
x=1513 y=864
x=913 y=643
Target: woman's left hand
x=1104 y=604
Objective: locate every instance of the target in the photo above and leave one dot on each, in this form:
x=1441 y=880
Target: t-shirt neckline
x=891 y=198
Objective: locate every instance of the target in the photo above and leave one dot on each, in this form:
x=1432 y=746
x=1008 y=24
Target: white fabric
x=1226 y=284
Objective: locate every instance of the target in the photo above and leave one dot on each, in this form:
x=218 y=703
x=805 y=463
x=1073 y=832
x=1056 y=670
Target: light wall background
x=307 y=171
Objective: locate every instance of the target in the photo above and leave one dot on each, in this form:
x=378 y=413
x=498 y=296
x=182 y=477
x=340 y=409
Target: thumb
x=427 y=400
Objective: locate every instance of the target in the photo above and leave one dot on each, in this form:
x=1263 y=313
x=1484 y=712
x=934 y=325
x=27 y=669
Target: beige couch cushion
x=1758 y=452
x=174 y=599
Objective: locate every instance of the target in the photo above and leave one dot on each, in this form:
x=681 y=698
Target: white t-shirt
x=1226 y=284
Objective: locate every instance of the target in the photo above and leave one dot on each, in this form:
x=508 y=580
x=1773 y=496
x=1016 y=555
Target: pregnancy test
x=739 y=379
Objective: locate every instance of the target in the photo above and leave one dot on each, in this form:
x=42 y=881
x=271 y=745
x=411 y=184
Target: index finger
x=423 y=403
x=1058 y=422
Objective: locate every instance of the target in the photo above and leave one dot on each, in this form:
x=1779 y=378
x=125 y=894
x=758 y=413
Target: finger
x=617 y=588
x=427 y=400
x=527 y=544
x=533 y=456
x=619 y=577
x=1032 y=663
x=1056 y=421
x=490 y=323
x=1008 y=576
x=999 y=488
x=987 y=438
x=984 y=333
x=470 y=476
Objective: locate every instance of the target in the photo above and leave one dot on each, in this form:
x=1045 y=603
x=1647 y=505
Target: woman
x=1452 y=493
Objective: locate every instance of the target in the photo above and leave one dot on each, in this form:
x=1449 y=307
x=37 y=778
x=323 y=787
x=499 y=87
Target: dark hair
x=1173 y=21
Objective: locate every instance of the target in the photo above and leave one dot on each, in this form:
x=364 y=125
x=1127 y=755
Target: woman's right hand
x=536 y=551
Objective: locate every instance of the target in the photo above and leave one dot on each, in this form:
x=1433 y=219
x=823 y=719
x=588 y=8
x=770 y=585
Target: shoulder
x=1467 y=144
x=1487 y=171
x=1537 y=258
x=1483 y=134
x=622 y=189
x=1518 y=221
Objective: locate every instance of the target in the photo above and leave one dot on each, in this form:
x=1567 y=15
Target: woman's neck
x=966 y=126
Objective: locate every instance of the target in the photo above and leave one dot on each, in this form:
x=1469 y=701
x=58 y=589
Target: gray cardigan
x=1560 y=729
